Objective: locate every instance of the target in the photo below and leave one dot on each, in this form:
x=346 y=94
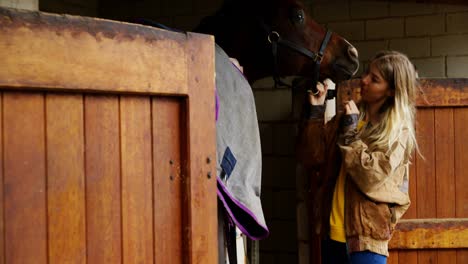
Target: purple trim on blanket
x=216 y=104
x=242 y=207
x=235 y=66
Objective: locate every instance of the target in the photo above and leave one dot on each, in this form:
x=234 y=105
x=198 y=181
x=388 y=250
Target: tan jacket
x=376 y=188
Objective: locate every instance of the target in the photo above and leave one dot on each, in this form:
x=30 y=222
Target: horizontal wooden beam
x=452 y=92
x=61 y=52
x=430 y=234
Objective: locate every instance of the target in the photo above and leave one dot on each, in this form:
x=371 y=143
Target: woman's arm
x=311 y=141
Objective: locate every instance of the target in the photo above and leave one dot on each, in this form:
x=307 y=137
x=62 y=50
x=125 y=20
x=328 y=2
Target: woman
x=362 y=158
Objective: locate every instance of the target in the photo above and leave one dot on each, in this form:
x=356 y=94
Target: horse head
x=248 y=30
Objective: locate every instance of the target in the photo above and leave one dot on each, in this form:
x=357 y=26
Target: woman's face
x=374 y=88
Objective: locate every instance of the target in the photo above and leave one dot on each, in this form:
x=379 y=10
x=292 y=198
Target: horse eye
x=298 y=16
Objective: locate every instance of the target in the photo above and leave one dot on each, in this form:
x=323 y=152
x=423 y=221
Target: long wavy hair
x=398 y=112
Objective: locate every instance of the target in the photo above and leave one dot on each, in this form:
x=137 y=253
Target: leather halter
x=275 y=39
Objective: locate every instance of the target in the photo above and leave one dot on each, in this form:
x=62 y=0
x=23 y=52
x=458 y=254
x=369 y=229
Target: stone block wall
x=20 y=4
x=434 y=36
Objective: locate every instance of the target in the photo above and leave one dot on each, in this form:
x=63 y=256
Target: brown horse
x=245 y=29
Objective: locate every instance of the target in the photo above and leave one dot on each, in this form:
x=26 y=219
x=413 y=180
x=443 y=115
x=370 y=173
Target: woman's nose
x=364 y=79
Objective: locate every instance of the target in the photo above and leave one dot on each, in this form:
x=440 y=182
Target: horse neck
x=241 y=36
x=249 y=49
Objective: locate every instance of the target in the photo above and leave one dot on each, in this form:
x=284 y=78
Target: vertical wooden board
x=461 y=161
x=168 y=179
x=393 y=257
x=202 y=223
x=412 y=211
x=24 y=178
x=445 y=175
x=65 y=178
x=426 y=188
x=137 y=196
x=445 y=162
x=462 y=256
x=407 y=256
x=2 y=217
x=103 y=197
x=411 y=256
x=461 y=173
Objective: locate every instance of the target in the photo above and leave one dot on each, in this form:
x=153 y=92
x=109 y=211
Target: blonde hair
x=399 y=111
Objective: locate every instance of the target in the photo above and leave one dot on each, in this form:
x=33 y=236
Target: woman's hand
x=350 y=119
x=318 y=98
x=237 y=64
x=351 y=108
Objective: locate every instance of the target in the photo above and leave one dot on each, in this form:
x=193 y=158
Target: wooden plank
x=426 y=174
x=137 y=190
x=393 y=257
x=24 y=178
x=202 y=226
x=89 y=54
x=443 y=92
x=2 y=215
x=432 y=233
x=103 y=197
x=445 y=175
x=461 y=150
x=410 y=256
x=461 y=174
x=65 y=178
x=169 y=175
x=433 y=92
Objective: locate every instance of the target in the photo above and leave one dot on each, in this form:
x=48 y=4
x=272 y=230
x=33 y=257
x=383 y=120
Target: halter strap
x=315 y=56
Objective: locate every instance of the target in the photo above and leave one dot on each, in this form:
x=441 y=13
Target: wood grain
x=109 y=184
x=89 y=54
x=2 y=215
x=169 y=177
x=445 y=175
x=434 y=233
x=201 y=189
x=426 y=188
x=461 y=173
x=65 y=178
x=137 y=184
x=24 y=178
x=103 y=196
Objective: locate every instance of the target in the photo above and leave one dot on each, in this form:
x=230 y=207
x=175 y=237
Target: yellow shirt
x=337 y=227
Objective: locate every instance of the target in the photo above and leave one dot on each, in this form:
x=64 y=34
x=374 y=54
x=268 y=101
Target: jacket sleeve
x=311 y=141
x=371 y=169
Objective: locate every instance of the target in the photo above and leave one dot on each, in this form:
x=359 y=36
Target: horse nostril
x=352 y=52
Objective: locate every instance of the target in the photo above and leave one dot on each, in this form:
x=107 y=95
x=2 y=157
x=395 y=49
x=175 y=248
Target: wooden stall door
x=107 y=132
x=435 y=228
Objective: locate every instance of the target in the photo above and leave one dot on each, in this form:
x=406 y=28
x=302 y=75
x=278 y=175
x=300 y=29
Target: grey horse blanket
x=239 y=159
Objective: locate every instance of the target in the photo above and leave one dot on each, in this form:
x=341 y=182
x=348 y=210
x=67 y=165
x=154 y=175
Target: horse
x=278 y=37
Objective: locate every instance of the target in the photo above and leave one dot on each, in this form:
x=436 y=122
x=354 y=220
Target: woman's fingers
x=351 y=108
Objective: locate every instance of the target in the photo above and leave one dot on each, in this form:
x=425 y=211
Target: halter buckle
x=318 y=58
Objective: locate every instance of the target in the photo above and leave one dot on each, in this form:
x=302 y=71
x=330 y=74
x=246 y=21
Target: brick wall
x=434 y=36
x=20 y=4
x=279 y=196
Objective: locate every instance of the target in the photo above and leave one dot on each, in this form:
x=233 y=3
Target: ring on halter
x=314 y=94
x=273 y=36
